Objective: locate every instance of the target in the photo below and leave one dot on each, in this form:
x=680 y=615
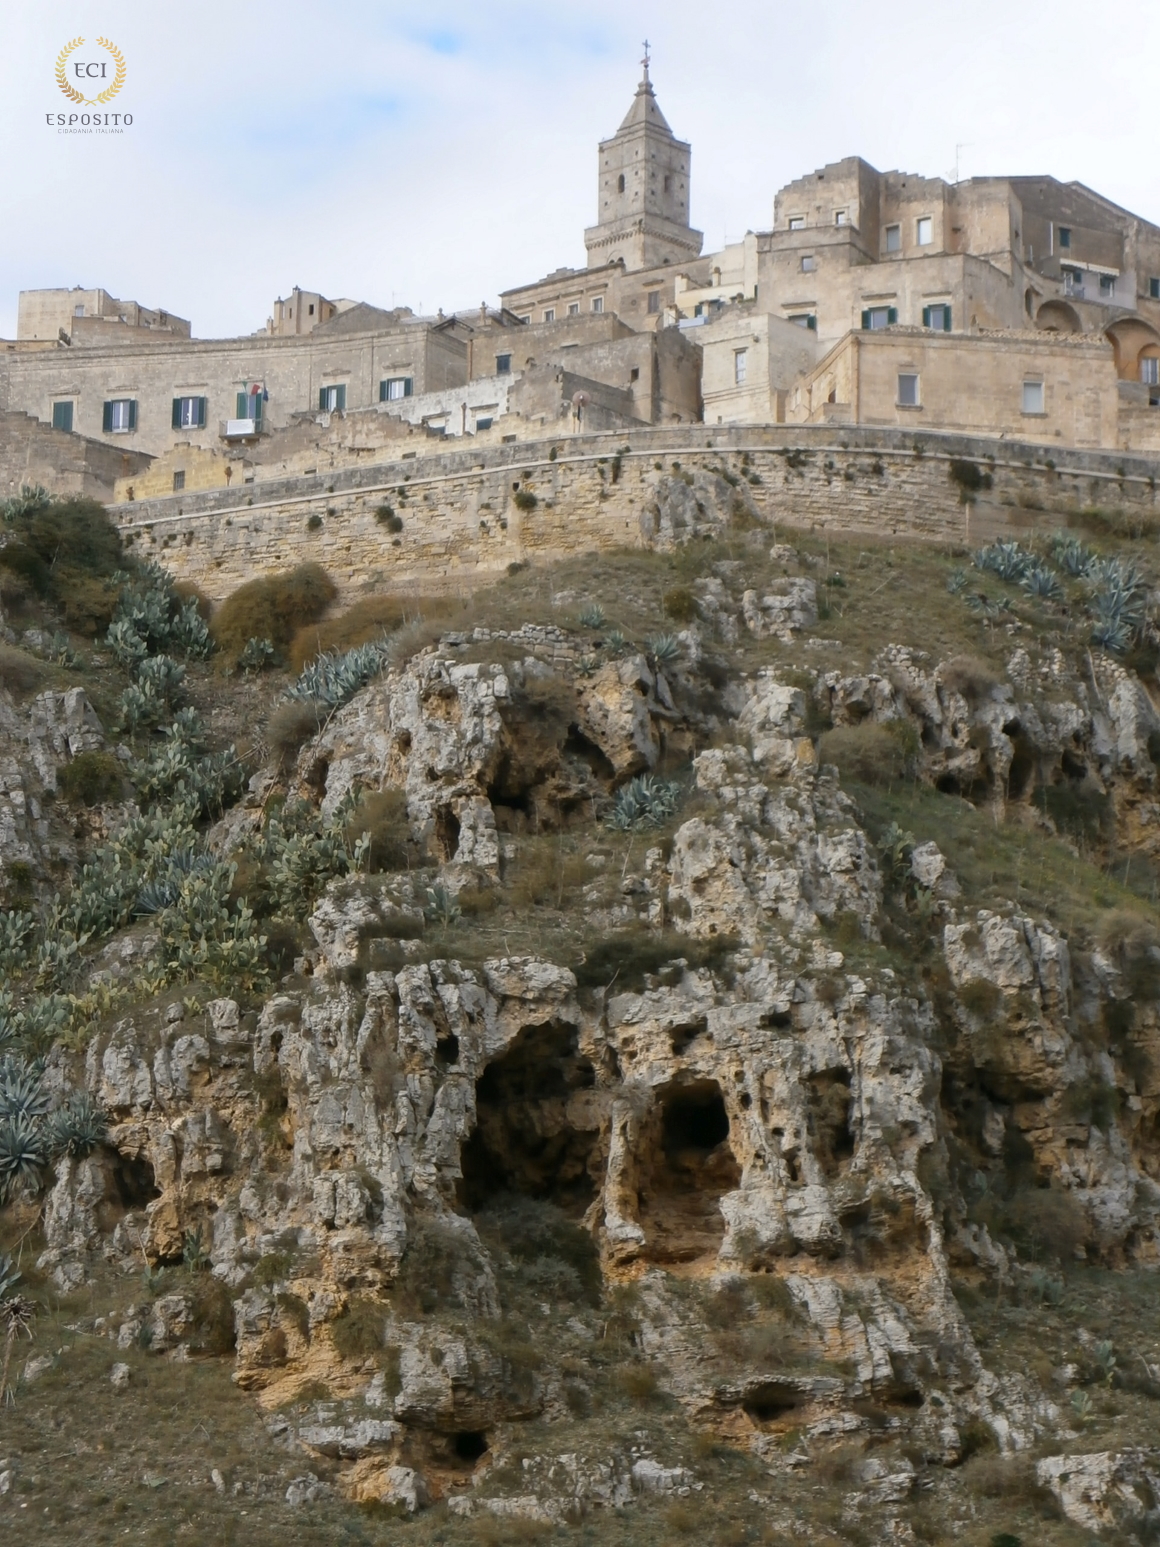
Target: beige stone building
x=79 y=315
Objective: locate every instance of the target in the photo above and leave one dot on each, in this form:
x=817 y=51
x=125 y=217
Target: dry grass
x=22 y=674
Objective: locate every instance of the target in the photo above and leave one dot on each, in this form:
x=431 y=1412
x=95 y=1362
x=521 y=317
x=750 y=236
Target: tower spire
x=645 y=60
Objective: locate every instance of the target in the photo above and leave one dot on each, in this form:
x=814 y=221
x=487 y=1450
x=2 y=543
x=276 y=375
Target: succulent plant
x=645 y=801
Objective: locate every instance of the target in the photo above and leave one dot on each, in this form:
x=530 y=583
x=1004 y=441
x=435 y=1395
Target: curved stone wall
x=467 y=514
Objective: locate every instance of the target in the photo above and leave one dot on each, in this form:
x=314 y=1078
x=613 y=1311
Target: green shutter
x=408 y=386
x=133 y=413
x=926 y=311
x=322 y=400
x=891 y=316
x=946 y=319
x=865 y=319
x=176 y=413
x=812 y=322
x=341 y=401
x=107 y=419
x=202 y=412
x=243 y=411
x=257 y=416
x=382 y=392
x=62 y=416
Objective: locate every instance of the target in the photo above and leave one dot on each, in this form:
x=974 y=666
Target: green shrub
x=21 y=673
x=313 y=522
x=272 y=608
x=870 y=753
x=358 y=1330
x=524 y=499
x=381 y=816
x=67 y=551
x=680 y=604
x=981 y=997
x=385 y=516
x=969 y=476
x=626 y=957
x=91 y=779
x=554 y=1255
x=294 y=721
x=967 y=675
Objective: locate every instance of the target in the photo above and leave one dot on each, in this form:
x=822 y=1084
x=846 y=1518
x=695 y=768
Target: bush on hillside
x=272 y=608
x=65 y=551
x=381 y=815
x=868 y=753
x=20 y=672
x=91 y=779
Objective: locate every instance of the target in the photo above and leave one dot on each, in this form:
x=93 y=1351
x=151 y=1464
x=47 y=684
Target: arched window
x=620 y=183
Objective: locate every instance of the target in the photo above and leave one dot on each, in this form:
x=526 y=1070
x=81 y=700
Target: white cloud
x=437 y=153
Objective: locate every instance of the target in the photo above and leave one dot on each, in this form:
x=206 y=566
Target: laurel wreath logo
x=71 y=91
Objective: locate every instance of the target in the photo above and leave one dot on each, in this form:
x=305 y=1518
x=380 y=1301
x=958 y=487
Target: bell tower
x=643 y=202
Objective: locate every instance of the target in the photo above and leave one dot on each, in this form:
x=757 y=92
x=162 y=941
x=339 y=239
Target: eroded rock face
x=780 y=1116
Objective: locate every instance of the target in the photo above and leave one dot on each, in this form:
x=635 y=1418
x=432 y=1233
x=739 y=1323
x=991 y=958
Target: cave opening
x=134 y=1181
x=828 y=1103
x=470 y=1444
x=531 y=1132
x=446 y=833
x=771 y=1402
x=686 y=1167
x=578 y=746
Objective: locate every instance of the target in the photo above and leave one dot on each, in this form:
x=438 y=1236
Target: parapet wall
x=467 y=514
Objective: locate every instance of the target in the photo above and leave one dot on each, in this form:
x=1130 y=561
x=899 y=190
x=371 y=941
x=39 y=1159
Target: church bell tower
x=644 y=191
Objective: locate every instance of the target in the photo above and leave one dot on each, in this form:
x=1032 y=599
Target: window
x=841 y=218
x=526 y=320
x=249 y=406
x=620 y=183
x=503 y=365
x=1154 y=289
x=1150 y=371
x=740 y=366
x=550 y=314
x=654 y=300
x=573 y=308
x=875 y=317
x=797 y=222
x=804 y=320
x=668 y=183
x=1065 y=236
x=62 y=416
x=396 y=387
x=907 y=389
x=178 y=480
x=634 y=374
x=809 y=263
x=893 y=238
x=189 y=413
x=78 y=311
x=937 y=317
x=120 y=416
x=484 y=423
x=332 y=400
x=1107 y=286
x=1032 y=397
x=1073 y=282
x=597 y=303
x=924 y=230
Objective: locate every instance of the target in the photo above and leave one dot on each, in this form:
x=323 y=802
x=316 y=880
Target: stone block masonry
x=468 y=514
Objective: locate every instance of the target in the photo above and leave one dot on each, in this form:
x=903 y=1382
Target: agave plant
x=16 y=1313
x=21 y=1094
x=1112 y=634
x=957 y=581
x=1007 y=561
x=664 y=648
x=645 y=801
x=592 y=615
x=23 y=1152
x=164 y=889
x=334 y=677
x=1072 y=556
x=77 y=1127
x=1041 y=581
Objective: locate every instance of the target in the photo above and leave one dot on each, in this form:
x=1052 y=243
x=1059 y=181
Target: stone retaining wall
x=467 y=514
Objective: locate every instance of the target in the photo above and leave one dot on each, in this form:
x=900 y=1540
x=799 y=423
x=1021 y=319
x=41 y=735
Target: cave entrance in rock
x=529 y=1137
x=686 y=1167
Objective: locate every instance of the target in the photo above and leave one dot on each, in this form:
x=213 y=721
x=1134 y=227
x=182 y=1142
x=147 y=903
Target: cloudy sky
x=431 y=154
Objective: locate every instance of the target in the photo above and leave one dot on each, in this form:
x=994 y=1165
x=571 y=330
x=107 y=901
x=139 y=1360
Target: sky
x=431 y=155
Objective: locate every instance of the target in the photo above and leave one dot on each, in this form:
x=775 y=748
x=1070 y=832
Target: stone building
x=83 y=316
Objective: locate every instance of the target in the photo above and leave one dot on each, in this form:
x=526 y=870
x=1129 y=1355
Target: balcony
x=240 y=429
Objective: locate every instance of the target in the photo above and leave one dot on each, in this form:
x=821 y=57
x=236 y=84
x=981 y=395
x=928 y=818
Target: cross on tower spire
x=647 y=57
